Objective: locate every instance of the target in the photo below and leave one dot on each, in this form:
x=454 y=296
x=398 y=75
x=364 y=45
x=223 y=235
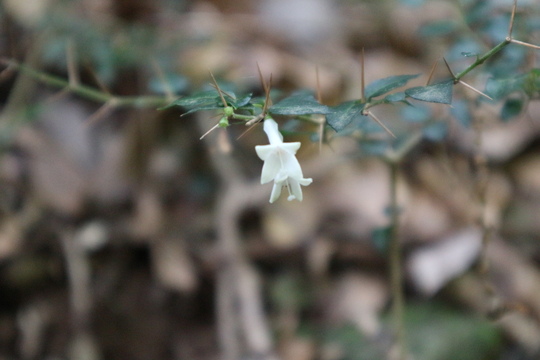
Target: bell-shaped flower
x=280 y=164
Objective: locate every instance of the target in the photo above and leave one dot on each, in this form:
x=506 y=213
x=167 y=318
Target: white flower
x=280 y=164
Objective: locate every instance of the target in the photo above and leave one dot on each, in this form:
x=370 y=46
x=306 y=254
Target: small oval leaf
x=299 y=103
x=203 y=99
x=382 y=86
x=343 y=114
x=437 y=93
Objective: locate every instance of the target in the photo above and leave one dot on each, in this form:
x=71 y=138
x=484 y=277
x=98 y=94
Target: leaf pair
x=343 y=114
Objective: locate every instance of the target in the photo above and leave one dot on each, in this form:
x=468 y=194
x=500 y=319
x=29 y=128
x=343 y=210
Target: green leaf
x=238 y=103
x=511 y=108
x=382 y=86
x=531 y=85
x=343 y=114
x=204 y=100
x=438 y=93
x=395 y=97
x=299 y=103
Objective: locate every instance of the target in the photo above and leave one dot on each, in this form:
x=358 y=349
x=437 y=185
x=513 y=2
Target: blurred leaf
x=437 y=93
x=351 y=344
x=289 y=291
x=177 y=84
x=299 y=103
x=436 y=131
x=511 y=108
x=499 y=88
x=382 y=86
x=375 y=147
x=508 y=61
x=438 y=333
x=460 y=110
x=396 y=97
x=497 y=27
x=531 y=84
x=476 y=11
x=416 y=114
x=413 y=3
x=433 y=333
x=463 y=47
x=380 y=237
x=439 y=28
x=343 y=114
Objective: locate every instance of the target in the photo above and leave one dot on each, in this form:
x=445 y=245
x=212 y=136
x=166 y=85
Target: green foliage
x=380 y=237
x=383 y=86
x=514 y=90
x=204 y=100
x=439 y=333
x=342 y=115
x=437 y=93
x=210 y=100
x=351 y=344
x=289 y=291
x=299 y=103
x=512 y=107
x=435 y=333
x=435 y=131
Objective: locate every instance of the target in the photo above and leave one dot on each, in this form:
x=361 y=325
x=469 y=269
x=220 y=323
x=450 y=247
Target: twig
x=87 y=92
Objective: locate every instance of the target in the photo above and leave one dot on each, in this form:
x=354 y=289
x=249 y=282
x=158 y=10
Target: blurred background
x=125 y=236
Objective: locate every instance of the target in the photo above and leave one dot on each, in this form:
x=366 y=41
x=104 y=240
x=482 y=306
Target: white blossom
x=280 y=164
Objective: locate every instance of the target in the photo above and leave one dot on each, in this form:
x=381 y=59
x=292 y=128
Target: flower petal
x=291 y=147
x=305 y=182
x=272 y=131
x=264 y=151
x=276 y=191
x=271 y=169
x=291 y=165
